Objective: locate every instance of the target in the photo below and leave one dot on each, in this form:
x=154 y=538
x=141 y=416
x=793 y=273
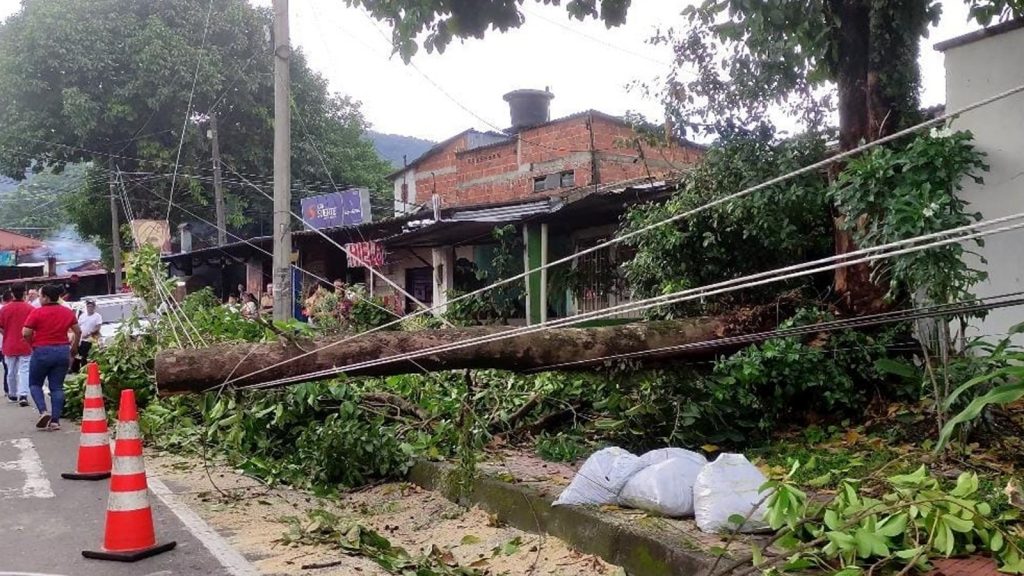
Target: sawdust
x=250 y=517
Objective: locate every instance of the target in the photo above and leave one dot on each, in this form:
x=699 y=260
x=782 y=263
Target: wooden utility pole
x=218 y=184
x=282 y=165
x=115 y=229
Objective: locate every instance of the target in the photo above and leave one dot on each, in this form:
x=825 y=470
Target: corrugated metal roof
x=509 y=213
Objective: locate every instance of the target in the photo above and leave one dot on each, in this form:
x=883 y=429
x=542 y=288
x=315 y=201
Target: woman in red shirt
x=46 y=329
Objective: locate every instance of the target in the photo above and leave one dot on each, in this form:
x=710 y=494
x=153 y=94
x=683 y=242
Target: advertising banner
x=347 y=208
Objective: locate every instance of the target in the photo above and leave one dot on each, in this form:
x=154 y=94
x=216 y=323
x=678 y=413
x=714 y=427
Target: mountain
x=392 y=147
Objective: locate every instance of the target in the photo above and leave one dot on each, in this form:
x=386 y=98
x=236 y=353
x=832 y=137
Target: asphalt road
x=46 y=522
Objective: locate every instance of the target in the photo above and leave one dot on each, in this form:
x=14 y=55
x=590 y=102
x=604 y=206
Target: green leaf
x=1001 y=395
x=831 y=519
x=966 y=485
x=995 y=544
x=896 y=368
x=842 y=540
x=469 y=540
x=892 y=526
x=957 y=524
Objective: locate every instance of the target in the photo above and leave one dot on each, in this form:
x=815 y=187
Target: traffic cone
x=94 y=442
x=129 y=534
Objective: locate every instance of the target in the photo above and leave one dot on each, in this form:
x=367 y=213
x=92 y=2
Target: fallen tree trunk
x=181 y=371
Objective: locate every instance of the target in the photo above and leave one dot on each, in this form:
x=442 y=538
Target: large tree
x=108 y=82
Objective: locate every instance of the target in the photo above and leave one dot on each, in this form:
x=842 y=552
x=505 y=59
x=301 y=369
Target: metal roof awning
x=459 y=227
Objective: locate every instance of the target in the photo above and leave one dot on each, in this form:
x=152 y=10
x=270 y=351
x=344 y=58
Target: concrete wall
x=975 y=71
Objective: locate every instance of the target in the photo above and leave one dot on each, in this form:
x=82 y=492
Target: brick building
x=536 y=157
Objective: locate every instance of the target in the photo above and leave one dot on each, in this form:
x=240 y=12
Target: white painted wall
x=976 y=71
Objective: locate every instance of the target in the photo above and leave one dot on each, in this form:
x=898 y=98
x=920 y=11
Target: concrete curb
x=640 y=550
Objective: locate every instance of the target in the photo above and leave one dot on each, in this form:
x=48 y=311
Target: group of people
x=41 y=341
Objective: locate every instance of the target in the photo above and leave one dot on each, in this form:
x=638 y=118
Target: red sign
x=365 y=254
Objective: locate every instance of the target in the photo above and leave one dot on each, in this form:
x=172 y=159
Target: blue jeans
x=49 y=363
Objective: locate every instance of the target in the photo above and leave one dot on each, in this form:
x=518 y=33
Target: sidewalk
x=47 y=521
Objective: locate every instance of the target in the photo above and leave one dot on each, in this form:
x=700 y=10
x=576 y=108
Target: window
x=566 y=179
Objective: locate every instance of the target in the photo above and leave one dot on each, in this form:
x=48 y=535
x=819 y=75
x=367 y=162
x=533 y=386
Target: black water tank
x=529 y=107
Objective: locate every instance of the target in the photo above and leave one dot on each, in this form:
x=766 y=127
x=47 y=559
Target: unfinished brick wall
x=584 y=144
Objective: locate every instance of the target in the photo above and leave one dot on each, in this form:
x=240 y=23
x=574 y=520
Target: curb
x=639 y=550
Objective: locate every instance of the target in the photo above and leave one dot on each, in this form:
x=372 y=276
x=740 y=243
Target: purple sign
x=348 y=208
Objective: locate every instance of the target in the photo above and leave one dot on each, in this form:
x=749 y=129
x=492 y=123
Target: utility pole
x=218 y=184
x=282 y=165
x=115 y=229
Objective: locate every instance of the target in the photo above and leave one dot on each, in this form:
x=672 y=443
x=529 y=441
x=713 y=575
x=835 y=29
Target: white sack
x=601 y=478
x=665 y=485
x=725 y=487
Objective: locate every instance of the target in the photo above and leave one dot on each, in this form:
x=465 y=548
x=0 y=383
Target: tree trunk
x=858 y=96
x=179 y=371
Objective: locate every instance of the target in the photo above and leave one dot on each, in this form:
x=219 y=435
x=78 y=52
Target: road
x=46 y=521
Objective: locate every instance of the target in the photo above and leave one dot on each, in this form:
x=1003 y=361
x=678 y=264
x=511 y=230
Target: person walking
x=17 y=352
x=46 y=329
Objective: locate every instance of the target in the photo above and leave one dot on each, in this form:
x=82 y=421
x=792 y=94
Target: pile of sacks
x=673 y=482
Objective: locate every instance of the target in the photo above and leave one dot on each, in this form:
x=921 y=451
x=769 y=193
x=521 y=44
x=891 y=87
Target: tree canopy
x=108 y=82
x=441 y=21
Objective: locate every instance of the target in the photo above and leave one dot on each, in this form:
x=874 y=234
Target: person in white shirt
x=90 y=323
x=33 y=298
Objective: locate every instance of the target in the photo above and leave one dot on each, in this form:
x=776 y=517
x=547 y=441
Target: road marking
x=26 y=574
x=28 y=463
x=235 y=563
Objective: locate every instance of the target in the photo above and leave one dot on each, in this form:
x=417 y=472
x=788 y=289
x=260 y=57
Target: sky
x=584 y=64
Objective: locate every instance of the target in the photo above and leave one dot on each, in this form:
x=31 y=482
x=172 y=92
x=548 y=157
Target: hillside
x=392 y=147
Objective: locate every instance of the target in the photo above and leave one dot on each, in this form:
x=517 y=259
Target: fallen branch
x=397 y=402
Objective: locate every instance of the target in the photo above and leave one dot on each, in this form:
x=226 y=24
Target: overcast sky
x=584 y=64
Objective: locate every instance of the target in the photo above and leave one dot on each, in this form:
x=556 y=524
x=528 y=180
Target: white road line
x=26 y=574
x=28 y=462
x=235 y=563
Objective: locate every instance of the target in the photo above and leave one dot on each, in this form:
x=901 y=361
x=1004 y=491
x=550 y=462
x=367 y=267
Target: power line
x=940 y=310
x=188 y=108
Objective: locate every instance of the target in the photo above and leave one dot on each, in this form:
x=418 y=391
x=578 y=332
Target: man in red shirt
x=17 y=351
x=46 y=329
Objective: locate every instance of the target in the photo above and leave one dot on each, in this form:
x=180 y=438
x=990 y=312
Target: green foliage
x=915 y=520
x=891 y=194
x=326 y=529
x=999 y=381
x=444 y=21
x=148 y=276
x=352 y=310
x=367 y=312
x=561 y=447
x=109 y=81
x=781 y=225
x=503 y=302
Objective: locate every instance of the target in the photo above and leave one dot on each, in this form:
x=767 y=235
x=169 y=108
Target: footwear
x=12 y=399
x=44 y=421
x=53 y=426
x=23 y=401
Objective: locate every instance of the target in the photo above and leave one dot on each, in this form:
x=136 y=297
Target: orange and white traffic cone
x=94 y=443
x=129 y=534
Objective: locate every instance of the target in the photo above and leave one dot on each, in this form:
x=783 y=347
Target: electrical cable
x=188 y=108
x=957 y=308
